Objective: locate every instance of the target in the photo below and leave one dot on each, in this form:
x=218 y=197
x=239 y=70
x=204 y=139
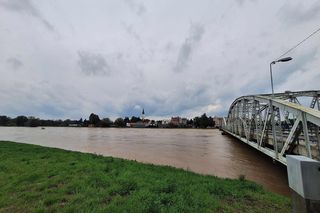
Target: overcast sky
x=66 y=59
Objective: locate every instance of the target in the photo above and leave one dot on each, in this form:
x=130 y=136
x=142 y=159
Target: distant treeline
x=94 y=121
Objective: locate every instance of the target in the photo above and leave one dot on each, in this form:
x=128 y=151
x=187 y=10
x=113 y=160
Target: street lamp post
x=271 y=106
x=273 y=62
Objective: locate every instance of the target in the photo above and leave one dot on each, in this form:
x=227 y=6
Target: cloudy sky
x=66 y=59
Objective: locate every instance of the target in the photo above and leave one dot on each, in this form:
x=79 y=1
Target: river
x=204 y=151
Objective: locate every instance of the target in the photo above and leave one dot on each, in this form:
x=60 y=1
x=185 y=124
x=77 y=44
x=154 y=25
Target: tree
x=66 y=122
x=33 y=122
x=94 y=119
x=85 y=123
x=135 y=119
x=159 y=123
x=204 y=121
x=190 y=123
x=4 y=120
x=196 y=122
x=21 y=120
x=211 y=122
x=119 y=122
x=126 y=120
x=106 y=122
x=201 y=122
x=80 y=121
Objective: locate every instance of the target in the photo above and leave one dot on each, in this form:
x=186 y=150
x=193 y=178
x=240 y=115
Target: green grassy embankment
x=39 y=179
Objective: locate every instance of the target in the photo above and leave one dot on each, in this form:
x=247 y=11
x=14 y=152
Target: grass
x=39 y=179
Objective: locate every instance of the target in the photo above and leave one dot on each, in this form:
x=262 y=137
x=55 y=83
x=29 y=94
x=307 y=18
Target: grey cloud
x=235 y=55
x=14 y=63
x=146 y=54
x=92 y=63
x=242 y=2
x=184 y=98
x=136 y=7
x=294 y=14
x=120 y=56
x=26 y=6
x=130 y=30
x=185 y=53
x=263 y=54
x=42 y=99
x=299 y=64
x=168 y=47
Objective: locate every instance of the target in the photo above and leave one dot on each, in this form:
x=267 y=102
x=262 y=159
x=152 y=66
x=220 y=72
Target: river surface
x=204 y=151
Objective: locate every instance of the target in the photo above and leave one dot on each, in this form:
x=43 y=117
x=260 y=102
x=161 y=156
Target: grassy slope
x=39 y=179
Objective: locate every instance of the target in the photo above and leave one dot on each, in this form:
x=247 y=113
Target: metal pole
x=275 y=145
x=317 y=128
x=272 y=78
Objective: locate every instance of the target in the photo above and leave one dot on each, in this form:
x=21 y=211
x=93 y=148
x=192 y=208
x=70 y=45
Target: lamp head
x=284 y=59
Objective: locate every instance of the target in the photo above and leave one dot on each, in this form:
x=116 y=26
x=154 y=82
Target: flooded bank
x=203 y=151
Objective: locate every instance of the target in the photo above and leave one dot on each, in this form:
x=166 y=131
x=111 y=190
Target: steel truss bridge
x=279 y=124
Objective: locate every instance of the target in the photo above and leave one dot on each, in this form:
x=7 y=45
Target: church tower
x=142 y=115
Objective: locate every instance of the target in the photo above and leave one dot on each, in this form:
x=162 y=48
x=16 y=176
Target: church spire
x=142 y=114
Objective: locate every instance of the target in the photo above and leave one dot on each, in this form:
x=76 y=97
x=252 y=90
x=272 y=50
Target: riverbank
x=40 y=179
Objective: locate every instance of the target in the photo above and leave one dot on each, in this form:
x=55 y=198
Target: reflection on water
x=202 y=151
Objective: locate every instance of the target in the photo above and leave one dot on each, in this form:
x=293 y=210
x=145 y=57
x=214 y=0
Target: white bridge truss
x=277 y=125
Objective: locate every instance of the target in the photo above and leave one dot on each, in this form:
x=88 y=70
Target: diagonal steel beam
x=305 y=133
x=293 y=129
x=264 y=126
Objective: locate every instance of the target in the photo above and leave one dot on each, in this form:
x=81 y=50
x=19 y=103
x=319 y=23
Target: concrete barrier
x=304 y=182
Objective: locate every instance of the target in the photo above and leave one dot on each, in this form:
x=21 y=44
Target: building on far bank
x=218 y=121
x=74 y=125
x=175 y=121
x=139 y=124
x=178 y=121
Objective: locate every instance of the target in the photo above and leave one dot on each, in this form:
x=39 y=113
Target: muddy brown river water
x=204 y=151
